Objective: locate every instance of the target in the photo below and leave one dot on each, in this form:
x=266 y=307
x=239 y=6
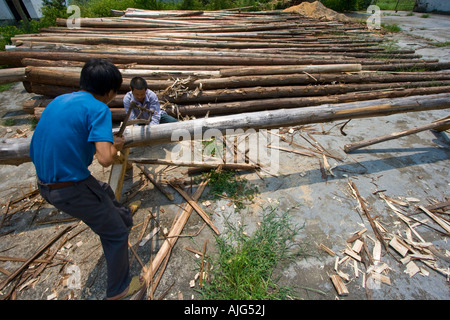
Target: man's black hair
x=100 y=76
x=138 y=83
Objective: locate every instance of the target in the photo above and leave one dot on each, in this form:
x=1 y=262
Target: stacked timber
x=224 y=62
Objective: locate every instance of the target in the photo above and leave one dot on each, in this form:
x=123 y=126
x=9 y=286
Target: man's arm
x=126 y=104
x=154 y=104
x=106 y=151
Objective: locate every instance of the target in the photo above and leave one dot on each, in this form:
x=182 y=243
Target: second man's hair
x=138 y=83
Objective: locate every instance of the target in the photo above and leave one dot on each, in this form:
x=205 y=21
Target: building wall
x=32 y=7
x=5 y=13
x=432 y=5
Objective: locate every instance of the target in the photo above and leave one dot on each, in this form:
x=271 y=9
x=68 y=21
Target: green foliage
x=51 y=10
x=8 y=32
x=191 y=5
x=391 y=27
x=9 y=122
x=245 y=264
x=227 y=184
x=403 y=5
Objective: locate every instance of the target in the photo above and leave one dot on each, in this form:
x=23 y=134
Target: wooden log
x=253 y=93
x=358 y=145
x=117 y=114
x=334 y=68
x=15 y=151
x=42 y=102
x=136 y=40
x=117 y=173
x=196 y=164
x=11 y=75
x=15 y=58
x=405 y=66
x=298 y=102
x=305 y=79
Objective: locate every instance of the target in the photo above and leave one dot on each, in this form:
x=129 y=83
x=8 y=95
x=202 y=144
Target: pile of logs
x=224 y=62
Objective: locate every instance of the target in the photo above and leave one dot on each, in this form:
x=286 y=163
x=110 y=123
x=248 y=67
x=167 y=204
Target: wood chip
x=339 y=285
x=411 y=269
x=327 y=250
x=352 y=254
x=376 y=253
x=381 y=277
x=357 y=246
x=399 y=247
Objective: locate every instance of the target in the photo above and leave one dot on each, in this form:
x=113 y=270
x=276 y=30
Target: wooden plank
x=117 y=174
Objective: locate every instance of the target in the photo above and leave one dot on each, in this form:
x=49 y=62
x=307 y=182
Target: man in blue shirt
x=146 y=103
x=72 y=128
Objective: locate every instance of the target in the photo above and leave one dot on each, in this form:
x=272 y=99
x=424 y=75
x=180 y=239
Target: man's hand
x=106 y=151
x=119 y=142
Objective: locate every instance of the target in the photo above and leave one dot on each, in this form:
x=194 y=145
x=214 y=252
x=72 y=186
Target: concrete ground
x=413 y=169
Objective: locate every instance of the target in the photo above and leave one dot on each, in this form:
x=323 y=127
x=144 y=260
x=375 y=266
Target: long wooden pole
x=358 y=145
x=16 y=151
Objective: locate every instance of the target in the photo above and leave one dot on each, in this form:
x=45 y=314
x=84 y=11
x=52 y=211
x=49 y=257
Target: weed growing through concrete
x=227 y=184
x=245 y=264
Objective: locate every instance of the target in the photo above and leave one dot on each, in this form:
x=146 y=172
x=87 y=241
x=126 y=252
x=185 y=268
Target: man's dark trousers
x=95 y=204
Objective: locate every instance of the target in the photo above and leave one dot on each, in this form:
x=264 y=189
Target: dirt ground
x=413 y=169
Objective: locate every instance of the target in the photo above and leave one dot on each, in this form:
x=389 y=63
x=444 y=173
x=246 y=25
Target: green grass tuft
x=244 y=268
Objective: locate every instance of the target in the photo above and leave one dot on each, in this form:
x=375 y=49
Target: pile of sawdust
x=317 y=10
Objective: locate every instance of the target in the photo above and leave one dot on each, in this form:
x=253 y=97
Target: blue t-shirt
x=63 y=143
